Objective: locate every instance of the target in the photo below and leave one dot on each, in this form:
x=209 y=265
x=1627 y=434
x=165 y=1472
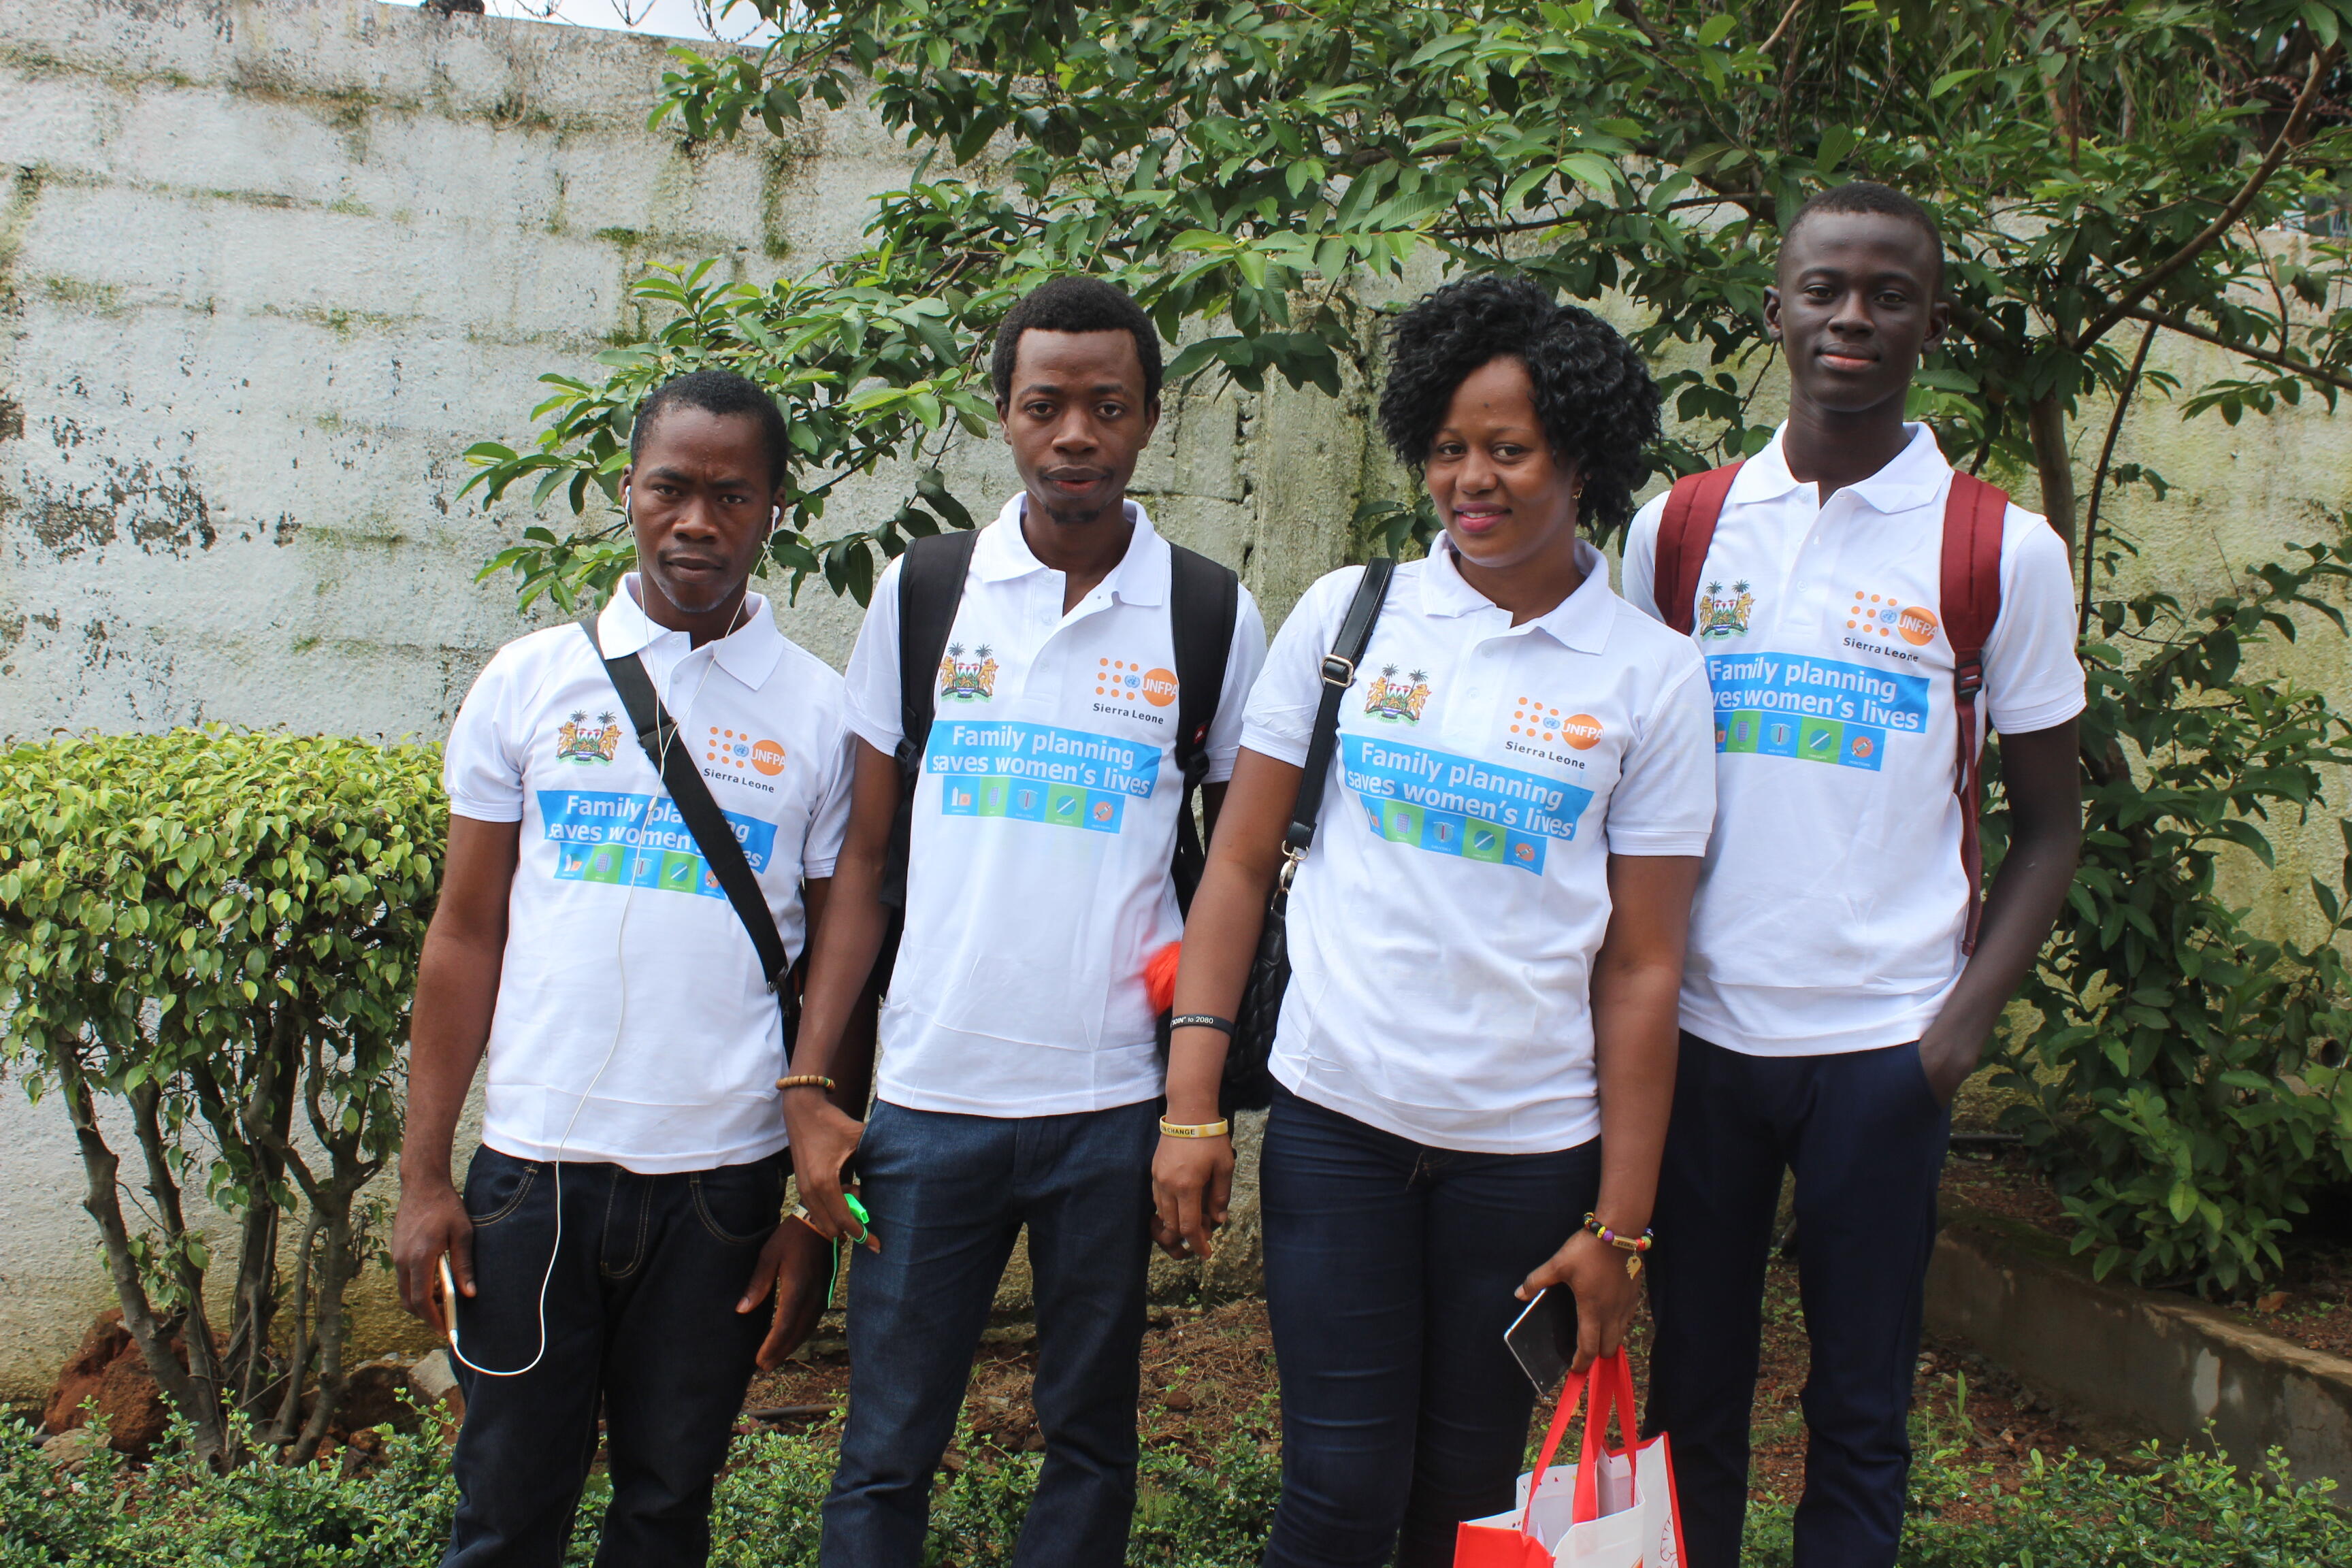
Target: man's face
x=1076 y=420
x=1855 y=306
x=701 y=505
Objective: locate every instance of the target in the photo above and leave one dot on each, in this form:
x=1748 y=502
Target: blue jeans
x=948 y=1194
x=1865 y=1137
x=1390 y=1267
x=640 y=1319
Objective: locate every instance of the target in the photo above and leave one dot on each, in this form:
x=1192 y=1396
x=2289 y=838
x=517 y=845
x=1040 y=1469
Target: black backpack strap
x=1339 y=674
x=931 y=576
x=657 y=733
x=1203 y=602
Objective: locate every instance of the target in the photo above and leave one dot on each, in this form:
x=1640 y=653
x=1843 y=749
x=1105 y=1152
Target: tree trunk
x=2046 y=422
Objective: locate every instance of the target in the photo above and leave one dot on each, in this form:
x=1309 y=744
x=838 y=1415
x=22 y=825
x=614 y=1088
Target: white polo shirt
x=1443 y=927
x=632 y=1026
x=1831 y=910
x=1044 y=824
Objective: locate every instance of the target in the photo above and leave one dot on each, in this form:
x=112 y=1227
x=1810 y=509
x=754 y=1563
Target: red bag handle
x=1611 y=1381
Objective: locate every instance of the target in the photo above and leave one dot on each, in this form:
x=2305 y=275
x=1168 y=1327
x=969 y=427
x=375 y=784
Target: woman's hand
x=1605 y=1293
x=823 y=1138
x=796 y=1266
x=1192 y=1183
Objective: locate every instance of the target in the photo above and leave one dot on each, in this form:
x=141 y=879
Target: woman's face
x=1503 y=499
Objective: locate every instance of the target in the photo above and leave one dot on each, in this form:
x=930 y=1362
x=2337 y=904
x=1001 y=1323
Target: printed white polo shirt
x=1443 y=925
x=1830 y=912
x=633 y=1024
x=1044 y=824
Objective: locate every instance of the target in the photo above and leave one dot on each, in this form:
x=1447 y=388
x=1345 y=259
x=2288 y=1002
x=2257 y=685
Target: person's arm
x=1192 y=1178
x=824 y=1128
x=457 y=993
x=2041 y=775
x=1636 y=986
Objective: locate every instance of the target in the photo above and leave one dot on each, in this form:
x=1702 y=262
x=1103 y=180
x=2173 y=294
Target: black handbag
x=1248 y=1086
x=657 y=733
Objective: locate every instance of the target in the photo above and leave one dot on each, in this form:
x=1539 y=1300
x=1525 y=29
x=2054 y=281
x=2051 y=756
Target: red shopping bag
x=1609 y=1509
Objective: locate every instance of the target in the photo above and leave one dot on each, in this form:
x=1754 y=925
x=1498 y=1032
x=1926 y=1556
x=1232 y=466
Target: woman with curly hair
x=1476 y=1051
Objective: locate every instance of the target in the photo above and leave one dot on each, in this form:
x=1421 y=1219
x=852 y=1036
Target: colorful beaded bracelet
x=1636 y=1244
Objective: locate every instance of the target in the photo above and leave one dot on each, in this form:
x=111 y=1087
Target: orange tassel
x=1160 y=977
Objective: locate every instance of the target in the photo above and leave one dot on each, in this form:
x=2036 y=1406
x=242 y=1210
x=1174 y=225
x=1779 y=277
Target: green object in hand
x=857 y=1211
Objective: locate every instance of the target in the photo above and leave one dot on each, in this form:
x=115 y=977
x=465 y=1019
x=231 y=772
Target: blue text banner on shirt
x=1039 y=773
x=1815 y=710
x=1458 y=805
x=639 y=840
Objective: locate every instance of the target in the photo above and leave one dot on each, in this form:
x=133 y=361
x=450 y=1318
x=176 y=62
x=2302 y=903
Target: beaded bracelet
x=1634 y=1244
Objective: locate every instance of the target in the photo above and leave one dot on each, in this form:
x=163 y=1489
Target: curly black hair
x=1597 y=400
x=719 y=391
x=1075 y=304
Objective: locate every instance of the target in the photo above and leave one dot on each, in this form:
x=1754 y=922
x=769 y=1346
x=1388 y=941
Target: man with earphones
x=617 y=1237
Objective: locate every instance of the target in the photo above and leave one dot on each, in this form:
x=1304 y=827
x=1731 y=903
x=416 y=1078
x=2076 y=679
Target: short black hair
x=719 y=391
x=1597 y=400
x=1076 y=304
x=1869 y=196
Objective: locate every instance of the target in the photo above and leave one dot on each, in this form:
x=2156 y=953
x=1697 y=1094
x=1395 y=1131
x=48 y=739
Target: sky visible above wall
x=694 y=20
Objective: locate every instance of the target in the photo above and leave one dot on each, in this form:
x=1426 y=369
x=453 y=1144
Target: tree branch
x=2272 y=357
x=2099 y=475
x=2150 y=280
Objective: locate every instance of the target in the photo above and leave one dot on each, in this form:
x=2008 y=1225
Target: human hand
x=1947 y=1058
x=1191 y=1185
x=1605 y=1288
x=430 y=1223
x=823 y=1138
x=797 y=1265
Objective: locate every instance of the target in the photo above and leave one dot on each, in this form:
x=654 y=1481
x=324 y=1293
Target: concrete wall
x=266 y=268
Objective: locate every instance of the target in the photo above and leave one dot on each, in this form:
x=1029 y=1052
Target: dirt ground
x=1206 y=1370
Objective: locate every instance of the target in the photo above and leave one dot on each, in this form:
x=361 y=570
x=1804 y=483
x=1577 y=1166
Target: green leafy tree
x=1259 y=176
x=219 y=931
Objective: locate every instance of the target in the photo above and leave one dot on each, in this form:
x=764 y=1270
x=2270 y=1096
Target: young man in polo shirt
x=617 y=1233
x=1020 y=1083
x=1832 y=1002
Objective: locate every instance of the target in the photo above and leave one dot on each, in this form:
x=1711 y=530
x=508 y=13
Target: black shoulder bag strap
x=657 y=733
x=1203 y=602
x=1339 y=674
x=930 y=586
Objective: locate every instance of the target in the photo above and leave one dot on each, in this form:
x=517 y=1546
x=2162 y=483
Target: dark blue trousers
x=948 y=1194
x=640 y=1322
x=1865 y=1138
x=1390 y=1267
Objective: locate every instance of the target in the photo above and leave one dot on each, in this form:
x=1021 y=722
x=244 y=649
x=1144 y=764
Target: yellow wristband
x=1204 y=1129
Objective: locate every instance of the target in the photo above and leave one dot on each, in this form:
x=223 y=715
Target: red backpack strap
x=1685 y=531
x=1969 y=603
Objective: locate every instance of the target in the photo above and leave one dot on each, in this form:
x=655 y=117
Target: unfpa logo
x=1535 y=721
x=1129 y=680
x=736 y=749
x=1879 y=614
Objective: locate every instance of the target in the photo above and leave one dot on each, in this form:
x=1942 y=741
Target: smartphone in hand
x=1543 y=1338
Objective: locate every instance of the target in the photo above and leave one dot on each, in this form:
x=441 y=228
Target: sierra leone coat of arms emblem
x=1398 y=701
x=577 y=742
x=968 y=680
x=1722 y=615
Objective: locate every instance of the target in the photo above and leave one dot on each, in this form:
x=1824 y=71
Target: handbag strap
x=657 y=733
x=1570 y=1392
x=1612 y=1387
x=1339 y=674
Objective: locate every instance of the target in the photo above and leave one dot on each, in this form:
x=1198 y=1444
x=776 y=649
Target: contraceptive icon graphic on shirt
x=576 y=742
x=972 y=680
x=1397 y=702
x=1722 y=615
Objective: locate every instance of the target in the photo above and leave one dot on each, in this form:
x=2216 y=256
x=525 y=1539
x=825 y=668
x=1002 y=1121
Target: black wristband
x=1201 y=1021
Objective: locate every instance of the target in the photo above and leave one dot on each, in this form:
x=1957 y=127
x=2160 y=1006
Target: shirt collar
x=748 y=653
x=1003 y=552
x=1915 y=476
x=1581 y=621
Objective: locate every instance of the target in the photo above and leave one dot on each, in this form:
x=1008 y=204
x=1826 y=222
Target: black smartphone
x=1544 y=1338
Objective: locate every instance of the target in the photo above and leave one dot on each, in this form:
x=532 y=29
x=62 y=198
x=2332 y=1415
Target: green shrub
x=217 y=931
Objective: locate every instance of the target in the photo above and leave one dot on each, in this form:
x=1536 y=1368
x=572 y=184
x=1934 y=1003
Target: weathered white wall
x=266 y=268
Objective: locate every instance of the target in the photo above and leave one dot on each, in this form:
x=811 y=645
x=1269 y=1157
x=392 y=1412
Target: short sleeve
x=482 y=766
x=2032 y=675
x=829 y=816
x=875 y=714
x=1640 y=573
x=1280 y=718
x=1664 y=800
x=1243 y=659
